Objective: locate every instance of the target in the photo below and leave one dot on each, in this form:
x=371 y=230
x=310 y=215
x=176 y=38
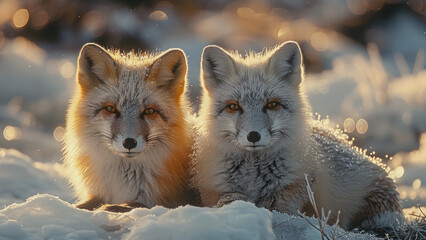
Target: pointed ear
x=169 y=71
x=95 y=66
x=217 y=66
x=286 y=63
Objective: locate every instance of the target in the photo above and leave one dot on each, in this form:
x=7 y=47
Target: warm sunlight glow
x=59 y=133
x=29 y=50
x=39 y=19
x=245 y=12
x=2 y=39
x=403 y=194
x=349 y=125
x=319 y=41
x=67 y=69
x=361 y=126
x=95 y=22
x=392 y=174
x=417 y=183
x=413 y=195
x=10 y=133
x=158 y=16
x=356 y=7
x=399 y=172
x=20 y=18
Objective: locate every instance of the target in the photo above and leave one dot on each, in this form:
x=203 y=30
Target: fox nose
x=129 y=143
x=253 y=136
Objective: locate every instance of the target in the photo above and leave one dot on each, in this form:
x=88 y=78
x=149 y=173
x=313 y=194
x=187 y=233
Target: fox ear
x=95 y=66
x=217 y=66
x=286 y=63
x=169 y=71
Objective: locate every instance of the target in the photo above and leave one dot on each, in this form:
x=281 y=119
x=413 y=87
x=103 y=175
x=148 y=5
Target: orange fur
x=171 y=178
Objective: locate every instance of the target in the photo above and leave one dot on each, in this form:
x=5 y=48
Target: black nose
x=253 y=137
x=129 y=143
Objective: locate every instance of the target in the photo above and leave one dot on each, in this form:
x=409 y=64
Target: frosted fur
x=99 y=171
x=272 y=175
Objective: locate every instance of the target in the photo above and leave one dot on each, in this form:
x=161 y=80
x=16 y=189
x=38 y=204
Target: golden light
x=285 y=33
x=95 y=22
x=399 y=172
x=39 y=19
x=361 y=126
x=417 y=183
x=413 y=195
x=245 y=12
x=10 y=133
x=67 y=69
x=20 y=18
x=59 y=133
x=319 y=41
x=158 y=16
x=349 y=125
x=29 y=50
x=356 y=7
x=2 y=39
x=403 y=194
x=392 y=174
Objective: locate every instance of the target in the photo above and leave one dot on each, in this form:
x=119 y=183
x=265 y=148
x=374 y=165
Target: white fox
x=257 y=140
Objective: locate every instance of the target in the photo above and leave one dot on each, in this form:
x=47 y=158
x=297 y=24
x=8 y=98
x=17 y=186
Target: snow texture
x=44 y=216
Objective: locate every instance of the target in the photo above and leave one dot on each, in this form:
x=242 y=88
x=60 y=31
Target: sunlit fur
x=157 y=174
x=273 y=175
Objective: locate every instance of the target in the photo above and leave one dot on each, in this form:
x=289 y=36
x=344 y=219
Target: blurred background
x=365 y=64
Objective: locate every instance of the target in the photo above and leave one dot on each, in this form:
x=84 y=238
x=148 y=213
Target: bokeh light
x=39 y=19
x=417 y=183
x=11 y=133
x=2 y=39
x=66 y=69
x=319 y=41
x=59 y=133
x=349 y=125
x=245 y=12
x=158 y=16
x=361 y=126
x=413 y=195
x=403 y=194
x=399 y=172
x=20 y=18
x=95 y=22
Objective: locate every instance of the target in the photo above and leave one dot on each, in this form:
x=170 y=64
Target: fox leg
x=90 y=204
x=381 y=209
x=123 y=207
x=226 y=198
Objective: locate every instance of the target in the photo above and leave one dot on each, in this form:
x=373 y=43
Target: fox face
x=253 y=102
x=130 y=108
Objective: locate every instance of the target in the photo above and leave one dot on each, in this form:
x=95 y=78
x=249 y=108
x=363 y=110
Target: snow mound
x=20 y=178
x=47 y=217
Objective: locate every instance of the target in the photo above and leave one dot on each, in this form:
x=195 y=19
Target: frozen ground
x=51 y=216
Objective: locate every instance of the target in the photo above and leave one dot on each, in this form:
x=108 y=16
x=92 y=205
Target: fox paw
x=230 y=197
x=123 y=207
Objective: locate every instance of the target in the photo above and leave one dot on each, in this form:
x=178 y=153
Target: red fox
x=128 y=138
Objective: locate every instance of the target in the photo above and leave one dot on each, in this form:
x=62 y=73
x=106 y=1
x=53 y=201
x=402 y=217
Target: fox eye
x=272 y=105
x=233 y=107
x=148 y=111
x=111 y=109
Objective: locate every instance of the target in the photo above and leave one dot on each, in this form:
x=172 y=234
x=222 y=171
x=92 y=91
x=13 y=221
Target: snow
x=50 y=215
x=21 y=177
